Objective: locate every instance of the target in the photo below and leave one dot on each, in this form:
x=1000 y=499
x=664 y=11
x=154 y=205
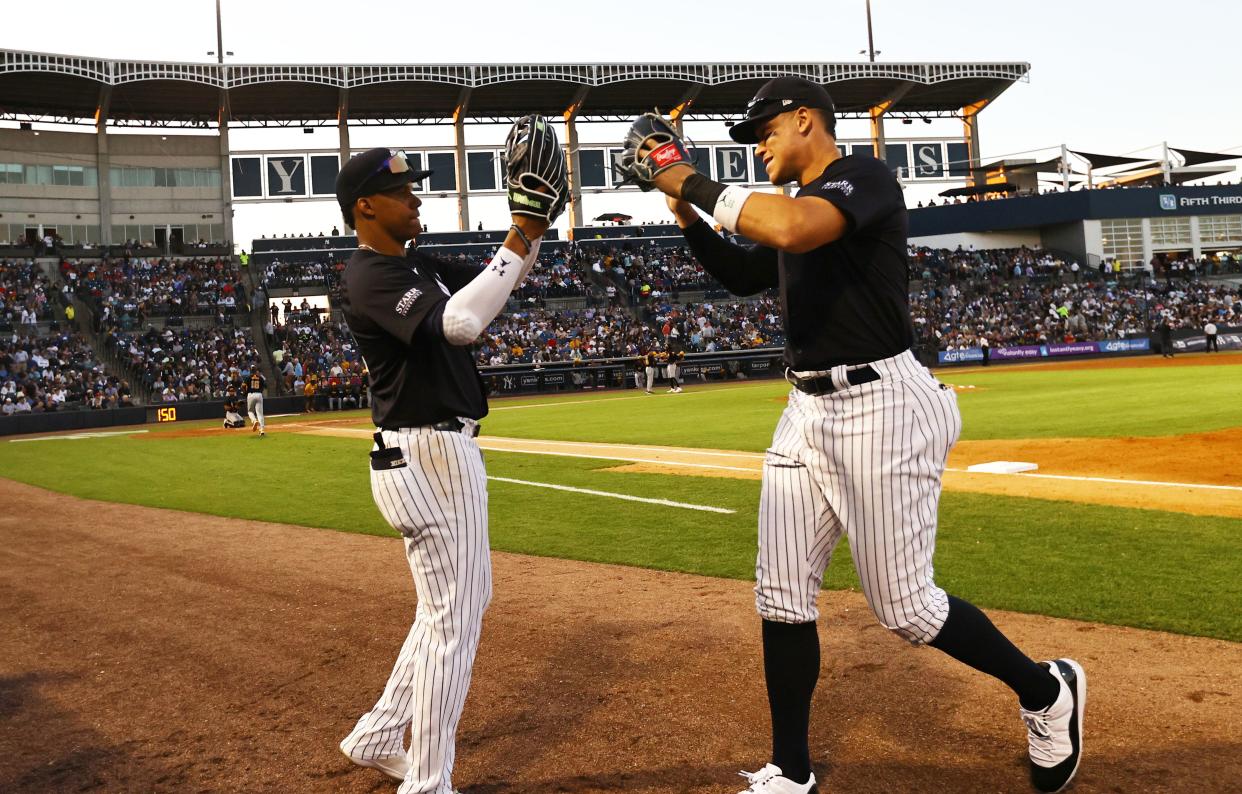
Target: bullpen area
x=189 y=607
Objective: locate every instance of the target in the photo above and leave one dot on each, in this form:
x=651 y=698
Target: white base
x=1003 y=467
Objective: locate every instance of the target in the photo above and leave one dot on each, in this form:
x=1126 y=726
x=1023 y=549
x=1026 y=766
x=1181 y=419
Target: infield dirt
x=152 y=650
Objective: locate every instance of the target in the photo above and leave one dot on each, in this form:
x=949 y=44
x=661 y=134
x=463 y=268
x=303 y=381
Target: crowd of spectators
x=55 y=372
x=178 y=364
x=721 y=325
x=307 y=350
x=939 y=266
x=25 y=294
x=645 y=272
x=128 y=290
x=961 y=315
x=324 y=273
x=539 y=336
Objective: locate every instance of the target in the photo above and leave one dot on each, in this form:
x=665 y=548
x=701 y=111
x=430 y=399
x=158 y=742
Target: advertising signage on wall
x=1013 y=352
x=1030 y=212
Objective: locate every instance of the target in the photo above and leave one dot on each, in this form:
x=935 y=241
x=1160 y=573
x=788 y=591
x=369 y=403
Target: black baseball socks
x=791 y=668
x=971 y=638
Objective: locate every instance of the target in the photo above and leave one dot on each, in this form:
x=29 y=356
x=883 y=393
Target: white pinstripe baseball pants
x=864 y=460
x=438 y=502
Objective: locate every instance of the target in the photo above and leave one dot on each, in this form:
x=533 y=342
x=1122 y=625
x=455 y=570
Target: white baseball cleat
x=394 y=766
x=1055 y=733
x=769 y=780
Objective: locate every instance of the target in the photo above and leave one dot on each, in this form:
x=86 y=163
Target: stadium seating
x=25 y=294
x=131 y=290
x=1013 y=295
x=55 y=372
x=176 y=364
x=538 y=335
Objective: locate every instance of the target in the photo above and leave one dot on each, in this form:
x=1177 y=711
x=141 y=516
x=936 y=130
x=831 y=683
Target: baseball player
x=232 y=419
x=255 y=385
x=861 y=446
x=414 y=317
x=675 y=357
x=650 y=361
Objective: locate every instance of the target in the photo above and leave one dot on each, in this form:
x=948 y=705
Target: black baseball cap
x=781 y=95
x=374 y=172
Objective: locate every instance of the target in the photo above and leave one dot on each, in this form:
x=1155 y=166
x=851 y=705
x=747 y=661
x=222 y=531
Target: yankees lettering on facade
x=286 y=173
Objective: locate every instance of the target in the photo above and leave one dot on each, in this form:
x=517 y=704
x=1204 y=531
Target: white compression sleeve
x=530 y=260
x=475 y=305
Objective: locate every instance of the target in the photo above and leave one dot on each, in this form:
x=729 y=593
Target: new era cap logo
x=1168 y=201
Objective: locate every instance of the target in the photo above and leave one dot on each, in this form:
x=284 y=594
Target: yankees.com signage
x=284 y=176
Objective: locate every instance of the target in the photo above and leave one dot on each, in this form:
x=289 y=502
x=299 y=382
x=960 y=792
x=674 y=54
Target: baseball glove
x=651 y=146
x=535 y=174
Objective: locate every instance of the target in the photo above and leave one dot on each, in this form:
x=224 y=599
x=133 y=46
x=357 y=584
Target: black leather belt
x=453 y=425
x=823 y=384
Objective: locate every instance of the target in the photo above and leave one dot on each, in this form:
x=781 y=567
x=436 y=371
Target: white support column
x=1147 y=249
x=970 y=126
x=226 y=168
x=459 y=136
x=103 y=165
x=342 y=124
x=877 y=113
x=877 y=132
x=574 y=161
x=1065 y=168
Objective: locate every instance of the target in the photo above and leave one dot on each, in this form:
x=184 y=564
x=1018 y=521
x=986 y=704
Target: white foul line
x=617 y=458
x=78 y=436
x=626 y=497
x=1111 y=480
x=483 y=444
x=693 y=392
x=635 y=447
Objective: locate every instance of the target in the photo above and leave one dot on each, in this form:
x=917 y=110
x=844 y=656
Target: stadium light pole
x=870 y=39
x=220 y=35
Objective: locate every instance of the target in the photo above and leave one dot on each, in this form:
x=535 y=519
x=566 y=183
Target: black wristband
x=701 y=192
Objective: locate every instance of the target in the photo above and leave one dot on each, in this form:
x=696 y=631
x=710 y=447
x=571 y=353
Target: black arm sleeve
x=742 y=271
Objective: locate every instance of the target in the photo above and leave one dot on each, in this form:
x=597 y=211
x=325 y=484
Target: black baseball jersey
x=256 y=383
x=845 y=302
x=394 y=307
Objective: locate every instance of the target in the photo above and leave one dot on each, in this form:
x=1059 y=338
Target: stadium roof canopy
x=67 y=88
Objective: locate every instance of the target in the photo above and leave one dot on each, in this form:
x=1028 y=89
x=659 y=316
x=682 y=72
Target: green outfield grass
x=1128 y=567
x=1013 y=403
x=1125 y=566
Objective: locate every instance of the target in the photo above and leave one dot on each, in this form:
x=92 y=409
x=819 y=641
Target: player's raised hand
x=651 y=148
x=536 y=179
